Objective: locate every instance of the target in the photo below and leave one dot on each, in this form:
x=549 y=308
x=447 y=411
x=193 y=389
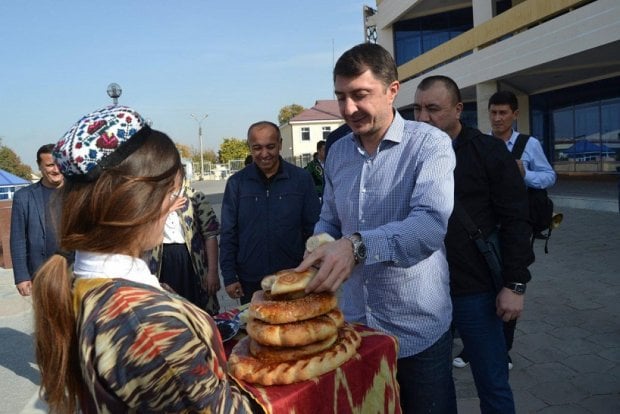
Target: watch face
x=361 y=250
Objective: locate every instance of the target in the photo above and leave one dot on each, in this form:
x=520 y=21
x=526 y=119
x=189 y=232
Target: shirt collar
x=90 y=265
x=511 y=142
x=394 y=133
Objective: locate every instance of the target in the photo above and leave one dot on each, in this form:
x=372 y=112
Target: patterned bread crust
x=266 y=309
x=288 y=281
x=285 y=353
x=247 y=368
x=292 y=334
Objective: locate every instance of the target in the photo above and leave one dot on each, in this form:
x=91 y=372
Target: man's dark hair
x=320 y=145
x=449 y=84
x=45 y=149
x=262 y=124
x=504 y=98
x=362 y=57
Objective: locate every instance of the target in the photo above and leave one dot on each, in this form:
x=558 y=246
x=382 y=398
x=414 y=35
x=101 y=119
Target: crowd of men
x=402 y=262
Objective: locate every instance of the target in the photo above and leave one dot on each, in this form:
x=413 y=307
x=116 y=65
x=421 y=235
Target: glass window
x=305 y=134
x=587 y=123
x=563 y=125
x=610 y=120
x=326 y=131
x=414 y=37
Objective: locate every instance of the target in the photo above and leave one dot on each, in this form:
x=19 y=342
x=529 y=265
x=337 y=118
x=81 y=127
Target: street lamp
x=114 y=92
x=202 y=163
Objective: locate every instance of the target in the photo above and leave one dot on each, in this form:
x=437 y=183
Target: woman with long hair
x=108 y=337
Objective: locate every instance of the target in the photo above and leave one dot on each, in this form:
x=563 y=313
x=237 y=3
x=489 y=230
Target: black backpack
x=541 y=206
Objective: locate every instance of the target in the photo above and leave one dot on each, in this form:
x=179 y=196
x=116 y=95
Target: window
x=326 y=131
x=416 y=36
x=305 y=134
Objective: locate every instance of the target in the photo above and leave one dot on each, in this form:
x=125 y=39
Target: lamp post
x=114 y=92
x=202 y=169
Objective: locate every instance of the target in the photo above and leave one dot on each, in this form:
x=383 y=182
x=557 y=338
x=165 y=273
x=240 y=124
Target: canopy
x=8 y=179
x=585 y=148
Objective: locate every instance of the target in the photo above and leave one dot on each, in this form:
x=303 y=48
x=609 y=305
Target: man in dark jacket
x=316 y=168
x=269 y=210
x=33 y=238
x=489 y=187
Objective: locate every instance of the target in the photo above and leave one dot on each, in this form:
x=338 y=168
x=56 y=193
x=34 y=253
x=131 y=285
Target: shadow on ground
x=16 y=345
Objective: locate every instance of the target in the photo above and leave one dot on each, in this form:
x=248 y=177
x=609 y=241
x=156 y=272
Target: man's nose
x=347 y=107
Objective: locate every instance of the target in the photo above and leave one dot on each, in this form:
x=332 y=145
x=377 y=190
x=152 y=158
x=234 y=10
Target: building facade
x=560 y=57
x=301 y=134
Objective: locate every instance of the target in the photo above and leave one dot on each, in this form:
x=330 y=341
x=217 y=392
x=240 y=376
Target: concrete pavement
x=567 y=346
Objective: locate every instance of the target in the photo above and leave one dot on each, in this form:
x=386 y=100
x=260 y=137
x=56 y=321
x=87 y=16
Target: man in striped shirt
x=387 y=199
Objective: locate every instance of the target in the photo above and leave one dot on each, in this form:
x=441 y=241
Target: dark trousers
x=425 y=379
x=249 y=287
x=509 y=333
x=481 y=331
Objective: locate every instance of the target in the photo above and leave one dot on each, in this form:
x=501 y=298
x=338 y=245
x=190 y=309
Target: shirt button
x=377 y=257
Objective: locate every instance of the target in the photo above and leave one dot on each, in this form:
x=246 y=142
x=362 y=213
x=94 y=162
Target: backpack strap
x=519 y=147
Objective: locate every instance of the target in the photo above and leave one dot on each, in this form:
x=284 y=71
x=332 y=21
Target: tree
x=233 y=149
x=208 y=155
x=184 y=150
x=289 y=111
x=10 y=162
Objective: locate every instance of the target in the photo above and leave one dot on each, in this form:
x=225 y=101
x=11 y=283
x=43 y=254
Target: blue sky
x=237 y=61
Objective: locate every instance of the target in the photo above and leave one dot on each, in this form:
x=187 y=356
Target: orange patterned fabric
x=364 y=384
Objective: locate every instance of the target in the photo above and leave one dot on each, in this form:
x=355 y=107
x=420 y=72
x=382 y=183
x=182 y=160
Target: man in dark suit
x=33 y=238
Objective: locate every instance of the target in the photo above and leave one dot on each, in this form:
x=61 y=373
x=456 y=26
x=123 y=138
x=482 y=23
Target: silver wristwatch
x=359 y=248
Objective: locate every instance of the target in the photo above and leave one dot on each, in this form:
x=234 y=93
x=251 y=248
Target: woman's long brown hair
x=111 y=215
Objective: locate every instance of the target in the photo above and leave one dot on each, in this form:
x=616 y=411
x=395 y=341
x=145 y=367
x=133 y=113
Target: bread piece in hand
x=288 y=281
x=317 y=240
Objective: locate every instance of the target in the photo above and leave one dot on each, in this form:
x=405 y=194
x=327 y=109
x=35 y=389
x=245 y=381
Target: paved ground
x=567 y=346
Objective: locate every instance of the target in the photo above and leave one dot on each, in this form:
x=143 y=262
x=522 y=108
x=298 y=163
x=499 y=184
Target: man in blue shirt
x=268 y=211
x=388 y=196
x=533 y=165
x=33 y=236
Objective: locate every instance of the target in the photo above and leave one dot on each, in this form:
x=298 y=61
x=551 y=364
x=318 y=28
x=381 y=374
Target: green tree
x=289 y=111
x=208 y=155
x=233 y=149
x=10 y=162
x=184 y=150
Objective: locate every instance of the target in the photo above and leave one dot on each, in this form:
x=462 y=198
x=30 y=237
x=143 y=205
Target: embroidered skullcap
x=100 y=140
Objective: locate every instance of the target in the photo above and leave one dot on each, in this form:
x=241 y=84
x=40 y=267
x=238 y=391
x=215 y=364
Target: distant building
x=9 y=184
x=302 y=132
x=560 y=57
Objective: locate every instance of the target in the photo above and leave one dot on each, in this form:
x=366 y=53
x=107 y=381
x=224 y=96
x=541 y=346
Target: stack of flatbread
x=292 y=336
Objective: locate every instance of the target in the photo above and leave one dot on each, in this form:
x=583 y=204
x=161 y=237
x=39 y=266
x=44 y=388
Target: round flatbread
x=285 y=353
x=293 y=333
x=245 y=367
x=288 y=281
x=264 y=307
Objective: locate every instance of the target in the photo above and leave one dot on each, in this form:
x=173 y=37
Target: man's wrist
x=359 y=248
x=516 y=287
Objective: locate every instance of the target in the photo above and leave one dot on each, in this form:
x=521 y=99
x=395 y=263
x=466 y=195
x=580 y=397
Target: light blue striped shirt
x=399 y=200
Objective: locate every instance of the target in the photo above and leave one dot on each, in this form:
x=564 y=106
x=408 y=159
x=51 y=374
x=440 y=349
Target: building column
x=483 y=10
x=484 y=91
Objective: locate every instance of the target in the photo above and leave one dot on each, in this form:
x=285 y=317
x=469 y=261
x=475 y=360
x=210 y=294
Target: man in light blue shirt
x=533 y=164
x=535 y=169
x=389 y=192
